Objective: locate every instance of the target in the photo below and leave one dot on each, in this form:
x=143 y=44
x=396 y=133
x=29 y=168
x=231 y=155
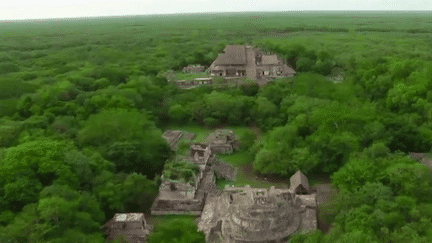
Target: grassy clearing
x=242 y=160
x=245 y=176
x=237 y=158
x=238 y=130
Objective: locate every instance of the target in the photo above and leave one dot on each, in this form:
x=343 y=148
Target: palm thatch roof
x=299 y=180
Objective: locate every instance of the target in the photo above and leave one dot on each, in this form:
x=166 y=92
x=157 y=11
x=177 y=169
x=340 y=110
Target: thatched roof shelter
x=299 y=183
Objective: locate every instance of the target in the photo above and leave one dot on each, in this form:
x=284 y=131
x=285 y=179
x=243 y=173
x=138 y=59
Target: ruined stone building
x=131 y=225
x=174 y=137
x=222 y=141
x=257 y=215
x=200 y=154
x=250 y=62
x=195 y=68
x=231 y=215
x=179 y=197
x=237 y=214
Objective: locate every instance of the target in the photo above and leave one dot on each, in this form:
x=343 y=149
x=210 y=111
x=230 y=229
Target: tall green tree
x=128 y=138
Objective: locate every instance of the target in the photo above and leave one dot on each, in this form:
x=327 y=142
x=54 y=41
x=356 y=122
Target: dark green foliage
x=10 y=131
x=101 y=84
x=114 y=74
x=247 y=139
x=179 y=114
x=14 y=88
x=180 y=170
x=249 y=88
x=405 y=137
x=8 y=68
x=177 y=230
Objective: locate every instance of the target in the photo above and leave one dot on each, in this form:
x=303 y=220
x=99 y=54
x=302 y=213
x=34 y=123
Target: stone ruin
x=177 y=197
x=195 y=68
x=237 y=214
x=132 y=225
x=200 y=154
x=224 y=170
x=222 y=141
x=257 y=215
x=173 y=138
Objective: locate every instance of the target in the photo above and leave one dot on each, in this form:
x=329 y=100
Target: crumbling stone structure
x=222 y=141
x=224 y=170
x=132 y=225
x=179 y=197
x=251 y=62
x=200 y=154
x=257 y=215
x=174 y=137
x=195 y=68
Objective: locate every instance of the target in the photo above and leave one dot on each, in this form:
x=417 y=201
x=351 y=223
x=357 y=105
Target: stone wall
x=177 y=207
x=194 y=213
x=172 y=138
x=230 y=81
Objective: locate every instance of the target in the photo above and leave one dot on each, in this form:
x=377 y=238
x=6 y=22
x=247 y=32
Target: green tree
x=25 y=169
x=139 y=193
x=304 y=64
x=409 y=178
x=315 y=236
x=247 y=139
x=262 y=111
x=357 y=236
x=323 y=67
x=361 y=169
x=249 y=88
x=179 y=114
x=179 y=231
x=128 y=138
x=333 y=149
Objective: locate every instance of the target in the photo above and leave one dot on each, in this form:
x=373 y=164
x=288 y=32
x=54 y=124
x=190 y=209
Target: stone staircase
x=208 y=186
x=213 y=190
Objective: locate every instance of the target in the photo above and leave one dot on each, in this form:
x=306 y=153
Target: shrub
x=8 y=68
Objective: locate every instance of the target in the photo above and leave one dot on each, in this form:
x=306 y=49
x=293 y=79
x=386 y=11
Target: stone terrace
x=224 y=170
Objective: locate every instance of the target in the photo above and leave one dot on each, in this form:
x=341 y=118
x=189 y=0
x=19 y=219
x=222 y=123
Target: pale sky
x=44 y=9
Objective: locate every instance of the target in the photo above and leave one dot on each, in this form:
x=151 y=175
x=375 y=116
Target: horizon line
x=197 y=13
